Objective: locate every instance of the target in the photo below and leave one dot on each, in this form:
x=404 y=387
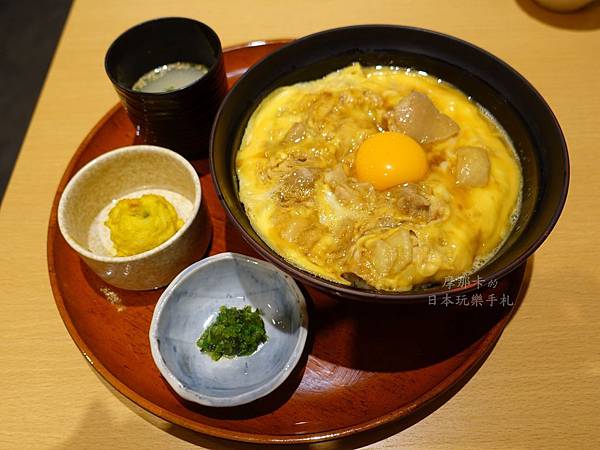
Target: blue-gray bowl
x=190 y=303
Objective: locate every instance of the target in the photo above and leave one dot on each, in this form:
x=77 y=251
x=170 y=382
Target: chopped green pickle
x=235 y=332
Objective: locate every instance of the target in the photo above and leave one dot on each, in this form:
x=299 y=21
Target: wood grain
x=539 y=388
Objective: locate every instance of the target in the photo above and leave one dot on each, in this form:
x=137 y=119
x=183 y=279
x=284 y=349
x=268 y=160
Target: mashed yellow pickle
x=141 y=224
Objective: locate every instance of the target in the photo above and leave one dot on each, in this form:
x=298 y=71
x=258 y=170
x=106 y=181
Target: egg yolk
x=390 y=158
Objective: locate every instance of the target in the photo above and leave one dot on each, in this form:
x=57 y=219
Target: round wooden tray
x=364 y=366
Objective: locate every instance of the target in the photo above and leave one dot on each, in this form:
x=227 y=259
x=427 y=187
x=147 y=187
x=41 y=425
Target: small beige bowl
x=125 y=173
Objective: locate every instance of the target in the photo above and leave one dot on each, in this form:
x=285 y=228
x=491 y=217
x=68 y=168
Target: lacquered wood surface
x=539 y=387
x=365 y=365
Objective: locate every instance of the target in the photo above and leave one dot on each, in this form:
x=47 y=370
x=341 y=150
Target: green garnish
x=235 y=332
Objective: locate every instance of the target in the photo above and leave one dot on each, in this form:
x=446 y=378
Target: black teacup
x=181 y=118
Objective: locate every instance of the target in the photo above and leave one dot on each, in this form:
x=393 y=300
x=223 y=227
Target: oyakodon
x=378 y=176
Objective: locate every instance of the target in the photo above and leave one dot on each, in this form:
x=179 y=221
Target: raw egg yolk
x=390 y=158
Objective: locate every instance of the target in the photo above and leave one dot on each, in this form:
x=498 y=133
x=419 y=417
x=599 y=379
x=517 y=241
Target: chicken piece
x=335 y=176
x=346 y=195
x=411 y=200
x=382 y=257
x=300 y=229
x=296 y=133
x=402 y=243
x=416 y=116
x=472 y=166
x=296 y=186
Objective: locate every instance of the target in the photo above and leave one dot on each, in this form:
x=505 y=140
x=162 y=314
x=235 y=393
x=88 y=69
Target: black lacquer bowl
x=510 y=98
x=180 y=119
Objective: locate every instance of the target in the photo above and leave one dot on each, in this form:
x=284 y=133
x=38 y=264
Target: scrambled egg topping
x=378 y=176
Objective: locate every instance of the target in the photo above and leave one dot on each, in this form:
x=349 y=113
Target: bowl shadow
x=118 y=297
x=365 y=337
x=235 y=242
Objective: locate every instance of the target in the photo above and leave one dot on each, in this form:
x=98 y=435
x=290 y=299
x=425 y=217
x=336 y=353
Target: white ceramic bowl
x=192 y=301
x=129 y=172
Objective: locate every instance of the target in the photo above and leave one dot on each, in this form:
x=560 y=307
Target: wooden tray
x=364 y=366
